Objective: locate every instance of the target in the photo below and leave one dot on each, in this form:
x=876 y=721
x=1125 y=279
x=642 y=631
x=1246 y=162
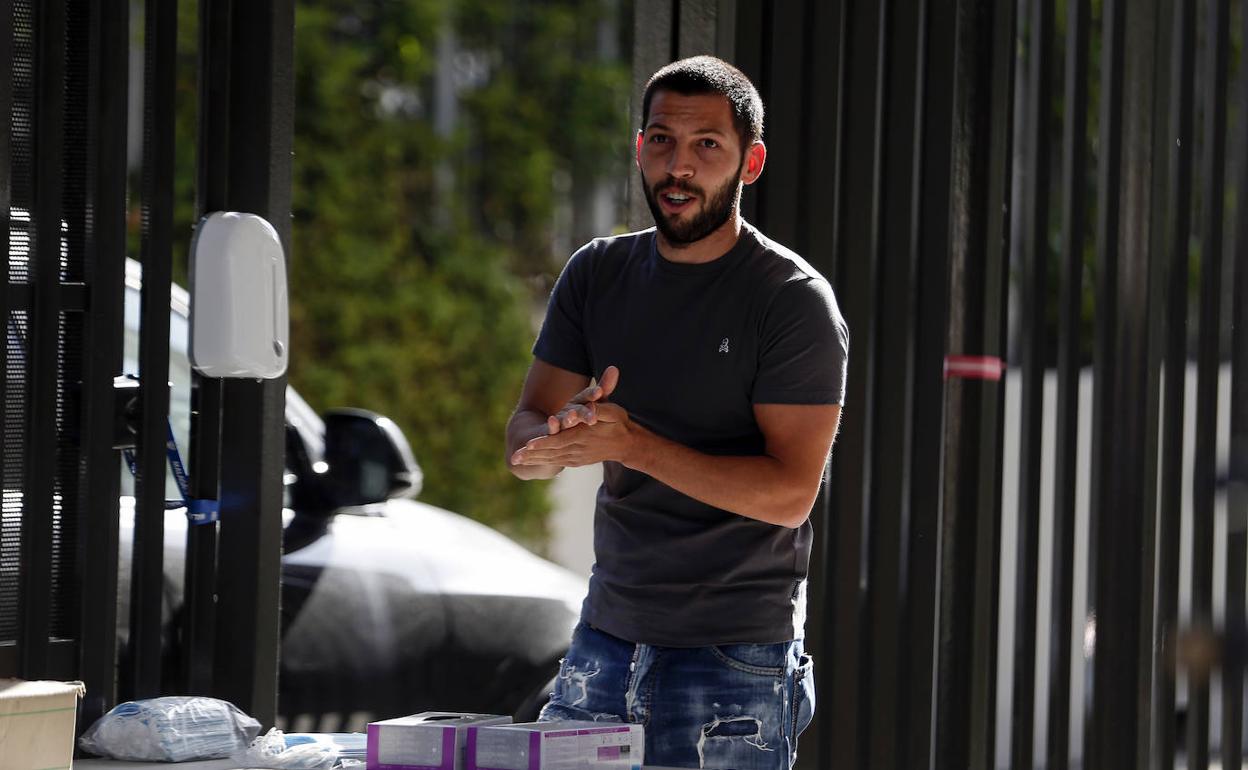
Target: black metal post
x=1204 y=467
x=1180 y=170
x=202 y=546
x=1122 y=577
x=35 y=586
x=822 y=35
x=1237 y=472
x=891 y=401
x=6 y=200
x=105 y=258
x=147 y=563
x=1033 y=293
x=1070 y=302
x=856 y=213
x=984 y=65
x=929 y=265
x=258 y=170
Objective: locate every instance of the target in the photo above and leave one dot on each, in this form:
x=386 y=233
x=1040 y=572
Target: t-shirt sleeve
x=561 y=342
x=804 y=347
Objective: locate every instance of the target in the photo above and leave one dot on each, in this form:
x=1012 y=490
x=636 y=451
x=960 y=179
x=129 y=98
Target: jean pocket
x=803 y=694
x=760 y=659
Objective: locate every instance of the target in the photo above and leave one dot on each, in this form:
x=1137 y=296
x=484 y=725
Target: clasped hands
x=587 y=430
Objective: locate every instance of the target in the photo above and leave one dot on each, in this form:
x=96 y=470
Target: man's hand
x=605 y=434
x=583 y=408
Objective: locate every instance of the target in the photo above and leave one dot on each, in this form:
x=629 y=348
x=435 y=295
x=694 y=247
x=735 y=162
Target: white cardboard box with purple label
x=432 y=740
x=556 y=746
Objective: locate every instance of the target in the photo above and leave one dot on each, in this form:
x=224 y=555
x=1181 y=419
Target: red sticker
x=974 y=367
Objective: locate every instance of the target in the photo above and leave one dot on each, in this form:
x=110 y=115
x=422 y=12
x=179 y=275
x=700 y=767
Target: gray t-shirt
x=697 y=347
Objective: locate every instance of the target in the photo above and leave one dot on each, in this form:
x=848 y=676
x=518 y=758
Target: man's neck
x=707 y=249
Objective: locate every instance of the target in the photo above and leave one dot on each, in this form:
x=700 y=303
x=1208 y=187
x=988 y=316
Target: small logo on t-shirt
x=723 y=346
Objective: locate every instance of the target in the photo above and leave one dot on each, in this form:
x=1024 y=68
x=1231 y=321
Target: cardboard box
x=556 y=746
x=37 y=724
x=432 y=740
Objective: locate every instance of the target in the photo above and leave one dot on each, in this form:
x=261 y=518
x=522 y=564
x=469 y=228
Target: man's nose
x=680 y=163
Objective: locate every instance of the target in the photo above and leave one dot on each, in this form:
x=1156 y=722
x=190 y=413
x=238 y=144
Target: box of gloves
x=431 y=740
x=37 y=723
x=559 y=745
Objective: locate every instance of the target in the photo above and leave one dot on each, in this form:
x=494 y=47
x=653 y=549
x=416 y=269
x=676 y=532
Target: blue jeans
x=729 y=707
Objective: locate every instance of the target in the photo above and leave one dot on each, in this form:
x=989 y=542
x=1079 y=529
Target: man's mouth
x=675 y=200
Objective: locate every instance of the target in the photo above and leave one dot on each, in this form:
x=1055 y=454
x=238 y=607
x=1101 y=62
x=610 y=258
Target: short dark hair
x=709 y=75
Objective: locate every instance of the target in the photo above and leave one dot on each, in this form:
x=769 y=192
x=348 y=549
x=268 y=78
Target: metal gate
x=64 y=88
x=1033 y=214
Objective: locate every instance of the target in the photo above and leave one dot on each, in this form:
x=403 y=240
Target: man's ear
x=638 y=153
x=755 y=158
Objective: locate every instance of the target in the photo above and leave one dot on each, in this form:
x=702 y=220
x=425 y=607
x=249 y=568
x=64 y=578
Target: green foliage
x=410 y=249
x=553 y=105
x=390 y=312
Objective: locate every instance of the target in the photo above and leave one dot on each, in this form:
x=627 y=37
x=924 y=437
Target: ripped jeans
x=729 y=707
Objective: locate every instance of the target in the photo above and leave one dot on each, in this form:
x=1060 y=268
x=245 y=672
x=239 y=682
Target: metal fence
x=66 y=194
x=1031 y=550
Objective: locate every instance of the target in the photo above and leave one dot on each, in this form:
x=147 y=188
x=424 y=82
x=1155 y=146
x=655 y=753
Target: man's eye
x=710 y=143
x=657 y=138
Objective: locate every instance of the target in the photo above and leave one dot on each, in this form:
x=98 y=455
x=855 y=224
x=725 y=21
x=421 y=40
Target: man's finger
x=592 y=393
x=562 y=439
x=557 y=456
x=610 y=378
x=579 y=414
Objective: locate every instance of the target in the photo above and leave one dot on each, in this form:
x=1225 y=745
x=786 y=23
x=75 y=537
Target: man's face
x=691 y=160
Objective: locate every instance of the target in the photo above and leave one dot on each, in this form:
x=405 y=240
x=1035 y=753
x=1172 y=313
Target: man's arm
x=778 y=487
x=547 y=390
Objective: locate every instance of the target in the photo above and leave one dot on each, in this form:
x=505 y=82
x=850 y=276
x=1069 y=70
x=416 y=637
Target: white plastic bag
x=273 y=751
x=170 y=729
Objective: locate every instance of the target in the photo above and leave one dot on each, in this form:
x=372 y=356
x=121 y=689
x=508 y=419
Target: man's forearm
x=758 y=487
x=527 y=424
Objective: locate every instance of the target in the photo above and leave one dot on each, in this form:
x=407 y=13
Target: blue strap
x=197 y=511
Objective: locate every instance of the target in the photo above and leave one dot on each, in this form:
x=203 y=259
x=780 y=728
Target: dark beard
x=715 y=212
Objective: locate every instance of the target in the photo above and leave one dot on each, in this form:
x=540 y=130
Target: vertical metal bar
x=253 y=423
x=147 y=563
x=820 y=33
x=1033 y=293
x=982 y=134
x=6 y=199
x=1070 y=302
x=1237 y=476
x=891 y=359
x=779 y=189
x=1204 y=469
x=697 y=25
x=652 y=44
x=820 y=133
x=36 y=562
x=856 y=235
x=1171 y=509
x=200 y=574
x=1109 y=194
x=106 y=253
x=1123 y=579
x=750 y=51
x=726 y=29
x=929 y=266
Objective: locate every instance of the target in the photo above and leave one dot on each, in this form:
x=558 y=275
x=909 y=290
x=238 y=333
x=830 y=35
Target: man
x=720 y=364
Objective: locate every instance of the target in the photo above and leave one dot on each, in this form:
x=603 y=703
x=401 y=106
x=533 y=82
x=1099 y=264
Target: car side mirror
x=368 y=459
